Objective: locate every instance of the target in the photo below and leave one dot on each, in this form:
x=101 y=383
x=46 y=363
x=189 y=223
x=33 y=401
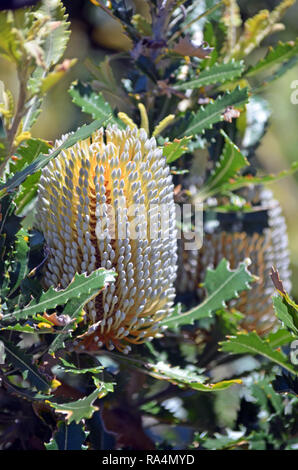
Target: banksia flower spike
x=262 y=237
x=103 y=203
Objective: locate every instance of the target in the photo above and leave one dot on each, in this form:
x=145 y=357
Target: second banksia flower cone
x=104 y=203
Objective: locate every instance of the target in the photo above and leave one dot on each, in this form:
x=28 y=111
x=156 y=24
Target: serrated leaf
x=20 y=259
x=53 y=44
x=218 y=73
x=277 y=55
x=213 y=112
x=263 y=391
x=287 y=312
x=249 y=180
x=279 y=338
x=23 y=362
x=71 y=368
x=83 y=408
x=92 y=103
x=73 y=309
x=56 y=41
x=26 y=393
x=28 y=190
x=81 y=284
x=173 y=150
x=43 y=159
x=277 y=74
x=228 y=165
x=258 y=27
x=222 y=284
x=219 y=441
x=68 y=437
x=251 y=343
x=106 y=83
x=20 y=328
x=50 y=32
x=187 y=378
x=27 y=152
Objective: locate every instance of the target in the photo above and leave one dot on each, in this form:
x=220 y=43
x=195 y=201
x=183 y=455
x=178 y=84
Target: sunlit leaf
x=173 y=150
x=222 y=284
x=81 y=284
x=187 y=378
x=251 y=343
x=214 y=111
x=83 y=408
x=218 y=73
x=92 y=103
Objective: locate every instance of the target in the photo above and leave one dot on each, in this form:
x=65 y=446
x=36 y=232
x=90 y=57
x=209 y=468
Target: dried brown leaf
x=186 y=47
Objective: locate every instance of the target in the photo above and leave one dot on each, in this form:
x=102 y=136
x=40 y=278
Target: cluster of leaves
x=202 y=95
x=34 y=41
x=276 y=429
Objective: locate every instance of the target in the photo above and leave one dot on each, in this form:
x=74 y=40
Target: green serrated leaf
x=173 y=150
x=28 y=190
x=249 y=180
x=227 y=167
x=81 y=284
x=53 y=44
x=264 y=392
x=222 y=284
x=258 y=27
x=68 y=437
x=213 y=112
x=82 y=409
x=28 y=152
x=20 y=328
x=187 y=378
x=279 y=338
x=251 y=343
x=23 y=362
x=218 y=73
x=92 y=103
x=73 y=309
x=287 y=312
x=43 y=159
x=277 y=74
x=21 y=259
x=275 y=55
x=219 y=442
x=71 y=368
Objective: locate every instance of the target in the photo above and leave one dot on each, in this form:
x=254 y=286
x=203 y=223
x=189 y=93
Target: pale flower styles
x=94 y=205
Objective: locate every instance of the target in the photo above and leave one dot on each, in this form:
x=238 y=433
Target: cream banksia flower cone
x=263 y=239
x=103 y=203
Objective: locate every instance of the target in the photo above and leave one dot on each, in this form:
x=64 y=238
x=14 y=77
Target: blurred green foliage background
x=94 y=35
